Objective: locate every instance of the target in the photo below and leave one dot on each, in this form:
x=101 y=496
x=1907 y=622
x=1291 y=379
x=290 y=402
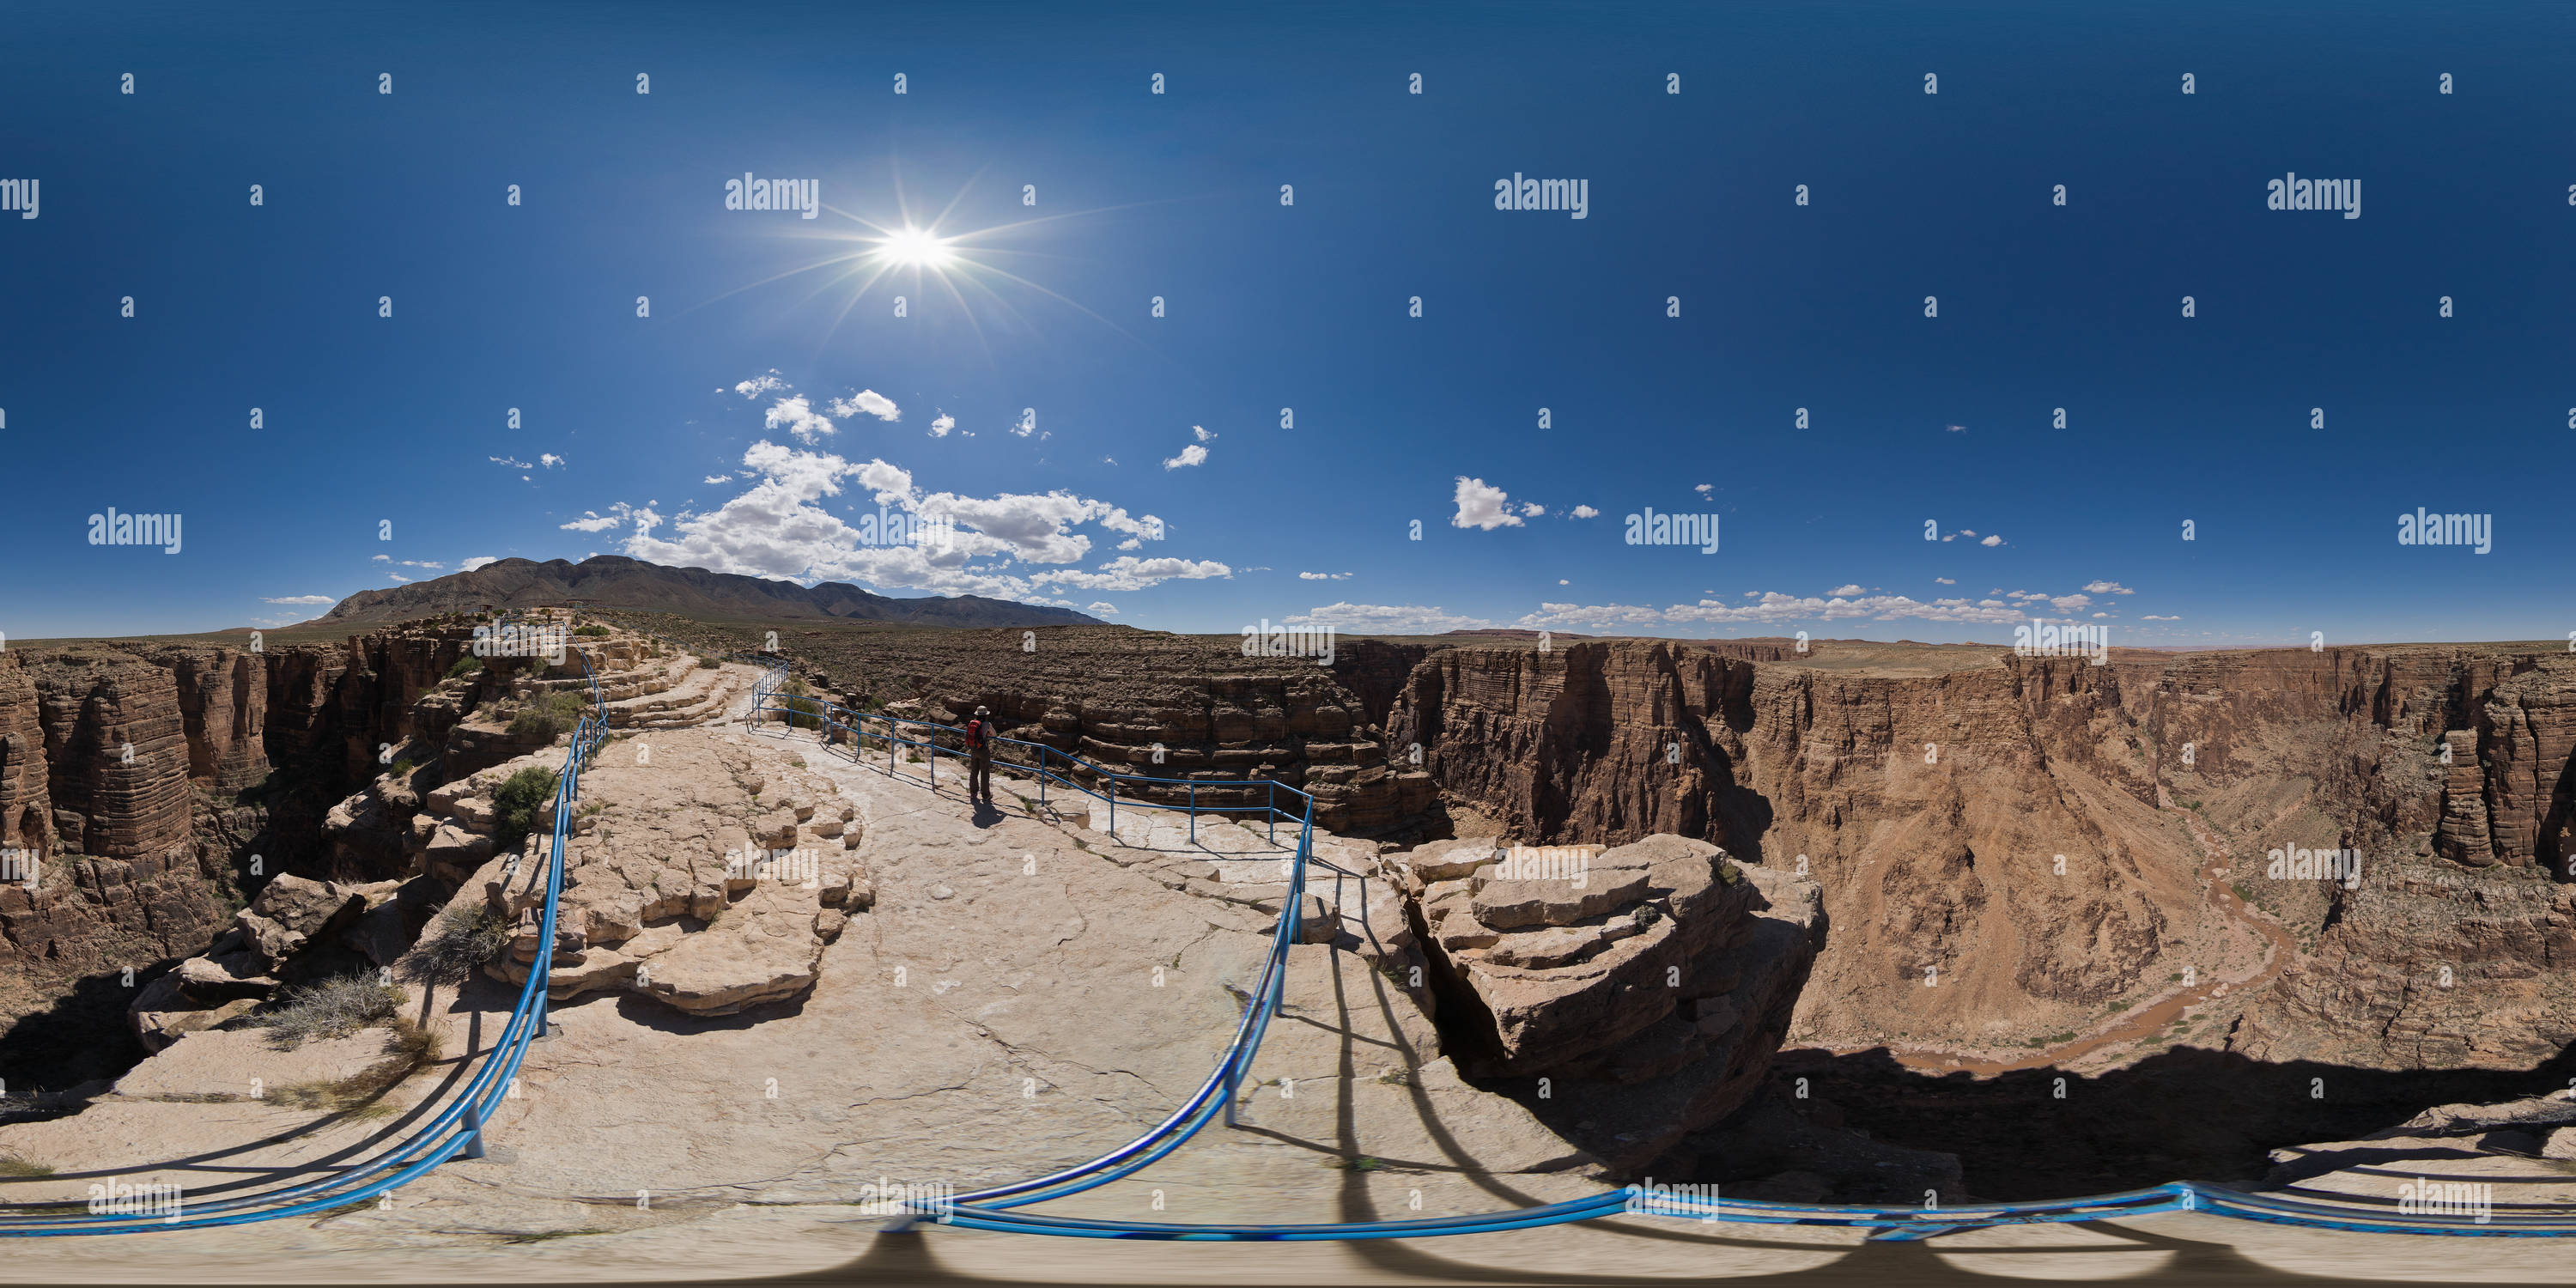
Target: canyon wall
x=2001 y=846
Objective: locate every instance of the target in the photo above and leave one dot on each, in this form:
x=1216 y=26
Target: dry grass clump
x=334 y=1008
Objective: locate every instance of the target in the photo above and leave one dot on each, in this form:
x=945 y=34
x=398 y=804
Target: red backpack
x=974 y=733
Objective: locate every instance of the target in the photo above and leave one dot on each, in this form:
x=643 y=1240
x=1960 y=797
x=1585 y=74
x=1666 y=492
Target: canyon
x=2013 y=863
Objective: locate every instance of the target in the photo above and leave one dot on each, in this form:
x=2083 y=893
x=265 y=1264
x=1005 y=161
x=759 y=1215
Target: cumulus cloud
x=766 y=382
x=513 y=464
x=1586 y=512
x=865 y=402
x=1956 y=429
x=299 y=599
x=1387 y=619
x=1322 y=576
x=2108 y=588
x=717 y=478
x=1204 y=436
x=941 y=424
x=550 y=460
x=2153 y=618
x=1944 y=581
x=469 y=565
x=1190 y=455
x=1101 y=607
x=1704 y=489
x=398 y=578
x=779 y=529
x=1846 y=591
x=2069 y=603
x=1992 y=541
x=1127 y=572
x=1532 y=509
x=1768 y=607
x=1483 y=507
x=592 y=521
x=798 y=417
x=384 y=558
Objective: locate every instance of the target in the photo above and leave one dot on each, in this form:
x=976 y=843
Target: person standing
x=979 y=756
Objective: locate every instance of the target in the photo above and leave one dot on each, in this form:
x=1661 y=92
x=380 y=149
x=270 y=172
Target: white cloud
x=421 y=563
x=1481 y=506
x=398 y=578
x=798 y=417
x=718 y=478
x=2069 y=603
x=1532 y=509
x=1109 y=460
x=469 y=565
x=1944 y=581
x=550 y=460
x=1603 y=616
x=1127 y=572
x=1323 y=576
x=1204 y=436
x=1845 y=592
x=1992 y=541
x=1956 y=429
x=1190 y=455
x=767 y=382
x=1586 y=512
x=779 y=529
x=2108 y=588
x=868 y=402
x=1776 y=607
x=2153 y=618
x=300 y=599
x=941 y=424
x=1704 y=489
x=504 y=460
x=592 y=521
x=1388 y=619
x=384 y=558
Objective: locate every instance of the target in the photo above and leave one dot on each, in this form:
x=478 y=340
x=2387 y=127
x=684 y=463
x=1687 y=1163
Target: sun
x=914 y=248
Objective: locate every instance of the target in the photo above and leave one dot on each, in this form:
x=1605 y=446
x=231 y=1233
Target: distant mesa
x=614 y=581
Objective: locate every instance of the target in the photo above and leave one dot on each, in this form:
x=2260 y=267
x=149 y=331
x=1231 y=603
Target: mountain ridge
x=615 y=581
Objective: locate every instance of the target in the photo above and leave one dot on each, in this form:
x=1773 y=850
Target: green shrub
x=20 y=1168
x=402 y=769
x=466 y=665
x=548 y=716
x=519 y=802
x=804 y=710
x=333 y=1008
x=709 y=663
x=591 y=630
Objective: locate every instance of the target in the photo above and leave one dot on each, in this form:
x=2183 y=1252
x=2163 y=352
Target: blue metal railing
x=455 y=1131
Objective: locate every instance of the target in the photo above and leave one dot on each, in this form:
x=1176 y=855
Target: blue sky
x=1950 y=419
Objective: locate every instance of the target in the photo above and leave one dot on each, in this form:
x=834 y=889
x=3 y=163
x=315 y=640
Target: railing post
x=1042 y=775
x=473 y=1129
x=1270 y=811
x=1113 y=806
x=1194 y=813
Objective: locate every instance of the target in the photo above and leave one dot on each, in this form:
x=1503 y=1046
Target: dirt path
x=2146 y=1022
